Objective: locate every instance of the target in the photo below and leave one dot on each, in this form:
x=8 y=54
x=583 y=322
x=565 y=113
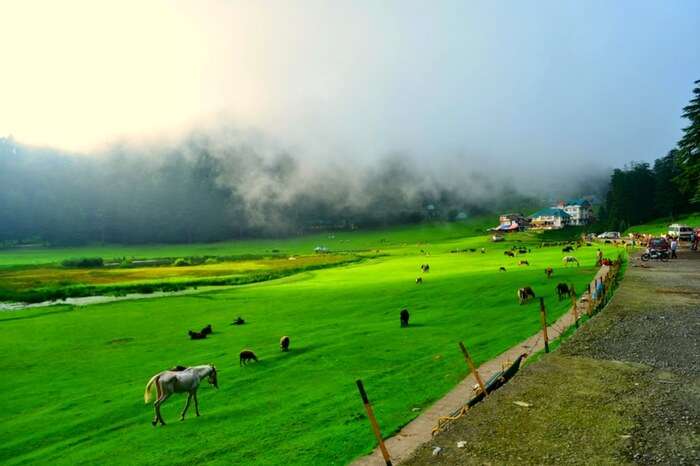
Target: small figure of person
x=674 y=246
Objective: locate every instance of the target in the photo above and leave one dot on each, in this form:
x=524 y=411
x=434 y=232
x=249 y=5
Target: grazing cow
x=196 y=335
x=549 y=271
x=239 y=321
x=567 y=249
x=509 y=253
x=425 y=267
x=404 y=317
x=569 y=259
x=284 y=343
x=523 y=263
x=502 y=269
x=207 y=330
x=246 y=356
x=563 y=291
x=525 y=294
x=419 y=281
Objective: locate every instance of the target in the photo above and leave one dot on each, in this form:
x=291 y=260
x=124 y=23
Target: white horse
x=567 y=259
x=178 y=381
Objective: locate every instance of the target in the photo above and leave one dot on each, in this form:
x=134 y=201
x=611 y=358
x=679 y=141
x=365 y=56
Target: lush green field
x=660 y=226
x=74 y=376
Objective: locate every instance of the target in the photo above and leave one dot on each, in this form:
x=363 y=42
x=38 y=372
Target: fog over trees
x=207 y=187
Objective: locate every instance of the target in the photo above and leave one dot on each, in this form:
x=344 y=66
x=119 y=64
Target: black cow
x=525 y=294
x=404 y=317
x=563 y=291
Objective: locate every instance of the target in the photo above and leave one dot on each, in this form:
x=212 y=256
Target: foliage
x=639 y=193
x=83 y=262
x=688 y=155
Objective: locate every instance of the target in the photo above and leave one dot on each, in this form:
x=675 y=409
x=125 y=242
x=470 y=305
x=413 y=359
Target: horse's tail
x=147 y=393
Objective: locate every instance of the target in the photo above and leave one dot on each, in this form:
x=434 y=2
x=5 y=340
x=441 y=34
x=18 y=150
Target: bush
x=211 y=260
x=181 y=262
x=83 y=262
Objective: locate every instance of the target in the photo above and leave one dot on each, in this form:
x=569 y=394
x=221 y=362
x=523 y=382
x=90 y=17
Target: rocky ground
x=624 y=389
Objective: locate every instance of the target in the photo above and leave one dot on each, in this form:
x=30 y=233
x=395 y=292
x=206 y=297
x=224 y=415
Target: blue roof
x=577 y=202
x=551 y=212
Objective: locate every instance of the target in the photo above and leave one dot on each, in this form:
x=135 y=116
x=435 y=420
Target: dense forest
x=641 y=192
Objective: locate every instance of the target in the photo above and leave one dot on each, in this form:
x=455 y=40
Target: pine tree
x=688 y=156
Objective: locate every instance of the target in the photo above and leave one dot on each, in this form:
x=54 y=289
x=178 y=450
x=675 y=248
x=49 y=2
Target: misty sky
x=599 y=81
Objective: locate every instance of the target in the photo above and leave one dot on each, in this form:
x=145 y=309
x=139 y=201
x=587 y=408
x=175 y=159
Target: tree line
x=670 y=187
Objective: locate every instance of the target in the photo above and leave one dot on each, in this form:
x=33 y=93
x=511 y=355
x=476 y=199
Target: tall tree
x=688 y=156
x=669 y=201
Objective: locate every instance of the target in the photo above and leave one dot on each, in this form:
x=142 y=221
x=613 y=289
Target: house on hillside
x=551 y=218
x=580 y=211
x=512 y=222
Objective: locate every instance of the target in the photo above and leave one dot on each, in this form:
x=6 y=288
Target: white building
x=551 y=218
x=579 y=210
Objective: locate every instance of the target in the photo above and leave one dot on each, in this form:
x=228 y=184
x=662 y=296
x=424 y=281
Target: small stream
x=88 y=300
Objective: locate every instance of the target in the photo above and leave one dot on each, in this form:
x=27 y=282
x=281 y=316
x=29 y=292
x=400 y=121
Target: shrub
x=211 y=260
x=83 y=262
x=181 y=262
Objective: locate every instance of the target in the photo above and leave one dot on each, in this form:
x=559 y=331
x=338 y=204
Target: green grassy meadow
x=75 y=376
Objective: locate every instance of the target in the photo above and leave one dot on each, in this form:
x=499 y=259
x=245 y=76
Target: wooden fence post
x=472 y=367
x=373 y=422
x=543 y=315
x=573 y=301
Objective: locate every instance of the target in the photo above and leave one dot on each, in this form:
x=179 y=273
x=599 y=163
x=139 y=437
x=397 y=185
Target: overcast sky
x=540 y=81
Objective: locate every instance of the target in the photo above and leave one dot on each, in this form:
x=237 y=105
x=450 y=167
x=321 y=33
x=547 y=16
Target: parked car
x=609 y=235
x=682 y=232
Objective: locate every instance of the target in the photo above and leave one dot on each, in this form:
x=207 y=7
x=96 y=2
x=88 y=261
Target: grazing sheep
x=525 y=294
x=419 y=281
x=196 y=335
x=207 y=330
x=246 y=356
x=563 y=291
x=404 y=317
x=523 y=263
x=284 y=343
x=502 y=269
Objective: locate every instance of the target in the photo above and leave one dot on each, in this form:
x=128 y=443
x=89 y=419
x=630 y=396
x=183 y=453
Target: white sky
x=589 y=80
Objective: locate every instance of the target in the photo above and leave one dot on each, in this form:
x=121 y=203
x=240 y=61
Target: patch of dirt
x=120 y=341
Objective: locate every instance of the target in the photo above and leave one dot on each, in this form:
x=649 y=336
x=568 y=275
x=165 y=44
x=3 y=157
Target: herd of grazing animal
x=181 y=379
